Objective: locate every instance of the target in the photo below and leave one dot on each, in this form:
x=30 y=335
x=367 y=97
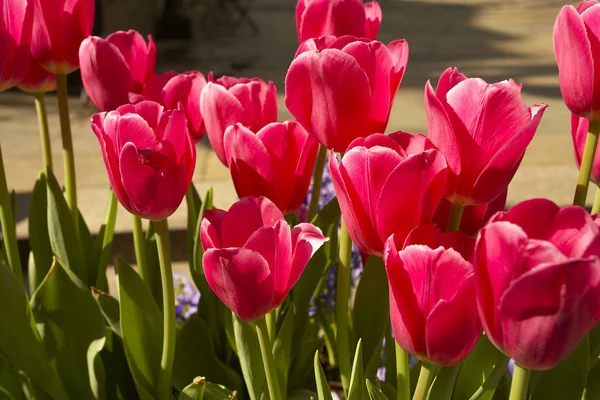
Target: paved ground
x=492 y=39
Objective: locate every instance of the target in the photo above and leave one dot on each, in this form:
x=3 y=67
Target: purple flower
x=186 y=297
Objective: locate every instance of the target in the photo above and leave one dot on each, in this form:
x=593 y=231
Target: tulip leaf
x=250 y=357
x=141 y=327
x=194 y=203
x=592 y=386
x=594 y=343
x=302 y=365
x=302 y=394
x=443 y=384
x=371 y=294
x=567 y=379
x=357 y=389
x=374 y=392
x=282 y=348
x=195 y=390
x=196 y=266
x=152 y=278
x=72 y=329
x=39 y=243
x=119 y=382
x=217 y=392
x=94 y=260
x=195 y=356
x=11 y=382
x=109 y=306
x=323 y=390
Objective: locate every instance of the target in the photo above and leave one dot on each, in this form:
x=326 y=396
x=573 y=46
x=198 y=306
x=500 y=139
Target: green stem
x=456 y=212
x=402 y=373
x=109 y=232
x=596 y=206
x=341 y=307
x=40 y=106
x=9 y=229
x=271 y=325
x=520 y=383
x=139 y=242
x=266 y=351
x=168 y=290
x=317 y=181
x=67 y=145
x=425 y=378
x=587 y=161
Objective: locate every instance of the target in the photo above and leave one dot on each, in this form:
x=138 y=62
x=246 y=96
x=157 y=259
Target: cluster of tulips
x=458 y=299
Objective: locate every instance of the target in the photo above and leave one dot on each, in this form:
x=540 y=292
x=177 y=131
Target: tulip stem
x=40 y=106
x=520 y=383
x=109 y=232
x=587 y=161
x=402 y=373
x=139 y=243
x=166 y=276
x=67 y=145
x=454 y=218
x=596 y=206
x=266 y=351
x=271 y=325
x=317 y=181
x=426 y=376
x=341 y=307
x=9 y=230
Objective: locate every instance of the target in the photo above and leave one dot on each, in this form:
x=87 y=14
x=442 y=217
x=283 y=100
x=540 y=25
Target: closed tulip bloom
x=59 y=27
x=537 y=277
x=15 y=33
x=342 y=89
x=228 y=100
x=576 y=35
x=315 y=18
x=252 y=257
x=483 y=131
x=276 y=162
x=579 y=130
x=432 y=300
x=149 y=156
x=387 y=185
x=185 y=89
x=114 y=67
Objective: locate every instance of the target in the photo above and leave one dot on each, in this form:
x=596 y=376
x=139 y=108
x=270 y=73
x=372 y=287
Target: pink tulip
x=483 y=131
x=342 y=89
x=277 y=162
x=149 y=156
x=315 y=18
x=252 y=257
x=432 y=300
x=576 y=36
x=387 y=185
x=537 y=277
x=114 y=67
x=15 y=34
x=579 y=132
x=37 y=79
x=59 y=27
x=153 y=87
x=228 y=100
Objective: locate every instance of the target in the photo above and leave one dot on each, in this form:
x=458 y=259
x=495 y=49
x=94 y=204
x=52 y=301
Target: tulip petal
x=574 y=233
x=337 y=18
x=534 y=216
x=141 y=58
x=254 y=212
x=283 y=271
x=210 y=228
x=373 y=17
x=449 y=78
x=306 y=240
x=185 y=89
x=259 y=103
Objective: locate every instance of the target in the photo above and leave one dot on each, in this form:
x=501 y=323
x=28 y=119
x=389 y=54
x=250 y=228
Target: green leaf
x=65 y=243
x=195 y=390
x=371 y=315
x=119 y=382
x=567 y=379
x=153 y=279
x=39 y=241
x=302 y=365
x=11 y=384
x=302 y=394
x=443 y=384
x=197 y=270
x=323 y=389
x=357 y=389
x=388 y=390
x=592 y=386
x=218 y=392
x=141 y=327
x=282 y=348
x=374 y=392
x=19 y=338
x=94 y=257
x=488 y=389
x=195 y=356
x=194 y=203
x=250 y=357
x=72 y=329
x=109 y=306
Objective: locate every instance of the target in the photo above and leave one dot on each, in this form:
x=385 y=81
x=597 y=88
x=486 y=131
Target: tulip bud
x=15 y=33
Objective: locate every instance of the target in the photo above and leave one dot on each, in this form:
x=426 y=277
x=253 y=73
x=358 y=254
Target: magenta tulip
x=432 y=300
x=577 y=50
x=387 y=185
x=15 y=33
x=579 y=130
x=37 y=79
x=342 y=89
x=315 y=18
x=277 y=162
x=252 y=257
x=114 y=67
x=483 y=131
x=537 y=277
x=59 y=27
x=149 y=156
x=228 y=100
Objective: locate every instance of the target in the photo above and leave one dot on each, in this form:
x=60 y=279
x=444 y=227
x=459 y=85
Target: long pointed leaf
x=39 y=241
x=323 y=389
x=357 y=389
x=250 y=357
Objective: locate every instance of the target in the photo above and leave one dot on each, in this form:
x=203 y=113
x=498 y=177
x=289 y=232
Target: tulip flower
x=343 y=88
x=149 y=156
x=576 y=35
x=315 y=18
x=252 y=257
x=15 y=33
x=114 y=67
x=59 y=27
x=579 y=132
x=387 y=185
x=37 y=79
x=432 y=300
x=277 y=162
x=537 y=277
x=483 y=131
x=228 y=100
